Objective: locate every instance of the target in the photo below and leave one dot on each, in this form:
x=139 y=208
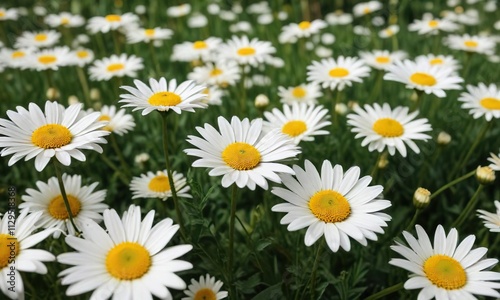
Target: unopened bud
x=383 y=161
x=261 y=101
x=421 y=198
x=414 y=96
x=341 y=108
x=52 y=94
x=95 y=95
x=141 y=158
x=485 y=175
x=73 y=100
x=352 y=104
x=443 y=138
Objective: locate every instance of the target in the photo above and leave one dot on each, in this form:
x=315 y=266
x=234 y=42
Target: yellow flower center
x=159 y=184
x=383 y=59
x=445 y=272
x=165 y=99
x=299 y=92
x=423 y=79
x=215 y=72
x=338 y=72
x=64 y=21
x=200 y=45
x=490 y=103
x=18 y=54
x=205 y=294
x=57 y=208
x=241 y=156
x=51 y=136
x=436 y=61
x=294 y=128
x=82 y=54
x=105 y=118
x=47 y=59
x=367 y=10
x=329 y=206
x=388 y=127
x=149 y=32
x=115 y=67
x=304 y=25
x=470 y=44
x=113 y=18
x=128 y=261
x=389 y=32
x=245 y=51
x=10 y=249
x=40 y=37
x=2 y=14
x=433 y=24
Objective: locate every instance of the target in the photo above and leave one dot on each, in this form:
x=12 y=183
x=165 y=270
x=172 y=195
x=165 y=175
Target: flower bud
x=52 y=94
x=95 y=95
x=341 y=108
x=261 y=101
x=421 y=198
x=485 y=175
x=141 y=158
x=73 y=100
x=443 y=138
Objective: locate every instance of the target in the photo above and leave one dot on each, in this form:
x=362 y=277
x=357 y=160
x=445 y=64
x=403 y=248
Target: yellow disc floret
x=388 y=127
x=329 y=206
x=164 y=99
x=128 y=261
x=51 y=136
x=445 y=272
x=241 y=156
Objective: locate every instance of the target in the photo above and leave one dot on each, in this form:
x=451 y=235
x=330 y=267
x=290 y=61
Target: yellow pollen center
x=470 y=44
x=294 y=128
x=215 y=72
x=367 y=10
x=57 y=208
x=388 y=127
x=64 y=21
x=104 y=118
x=490 y=103
x=51 y=136
x=18 y=54
x=128 y=261
x=82 y=54
x=149 y=32
x=383 y=59
x=304 y=25
x=40 y=37
x=115 y=67
x=241 y=156
x=2 y=14
x=389 y=32
x=113 y=18
x=159 y=184
x=329 y=206
x=436 y=61
x=165 y=99
x=338 y=72
x=205 y=294
x=10 y=249
x=445 y=272
x=47 y=59
x=433 y=23
x=299 y=92
x=423 y=79
x=200 y=45
x=244 y=51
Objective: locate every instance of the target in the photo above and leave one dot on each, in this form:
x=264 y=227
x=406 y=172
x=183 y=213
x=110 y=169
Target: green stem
x=413 y=220
x=336 y=100
x=419 y=99
x=315 y=268
x=154 y=58
x=452 y=183
x=468 y=209
x=110 y=164
x=386 y=291
x=231 y=241
x=243 y=99
x=116 y=41
x=120 y=154
x=375 y=167
x=65 y=196
x=85 y=85
x=378 y=85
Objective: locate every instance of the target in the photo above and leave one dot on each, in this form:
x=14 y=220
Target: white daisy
x=163 y=97
x=39 y=39
x=157 y=185
x=48 y=59
x=439 y=60
x=179 y=10
x=245 y=51
x=381 y=59
x=112 y=22
x=432 y=79
x=118 y=122
x=81 y=57
x=15 y=58
x=471 y=43
x=148 y=34
x=382 y=127
x=115 y=66
x=19 y=238
x=389 y=31
x=467 y=17
x=491 y=220
x=241 y=153
x=292 y=32
x=220 y=74
x=338 y=17
x=431 y=25
x=482 y=100
x=59 y=132
x=365 y=8
x=299 y=121
x=305 y=93
x=332 y=204
x=445 y=271
x=336 y=74
x=8 y=14
x=199 y=50
x=205 y=289
x=84 y=203
x=64 y=19
x=214 y=95
x=197 y=20
x=495 y=161
x=129 y=261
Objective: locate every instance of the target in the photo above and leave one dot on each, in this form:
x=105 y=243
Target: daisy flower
x=64 y=19
x=241 y=153
x=482 y=100
x=59 y=132
x=338 y=17
x=15 y=58
x=468 y=17
x=382 y=127
x=381 y=59
x=115 y=66
x=245 y=51
x=214 y=95
x=118 y=122
x=445 y=271
x=199 y=50
x=301 y=122
x=8 y=14
x=157 y=185
x=161 y=96
x=148 y=34
x=495 y=162
x=431 y=79
x=197 y=20
x=307 y=93
x=439 y=60
x=206 y=288
x=389 y=31
x=491 y=220
x=128 y=261
x=336 y=74
x=292 y=32
x=112 y=22
x=220 y=74
x=49 y=59
x=471 y=43
x=20 y=237
x=431 y=25
x=365 y=8
x=332 y=203
x=39 y=39
x=81 y=57
x=84 y=203
x=179 y=10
